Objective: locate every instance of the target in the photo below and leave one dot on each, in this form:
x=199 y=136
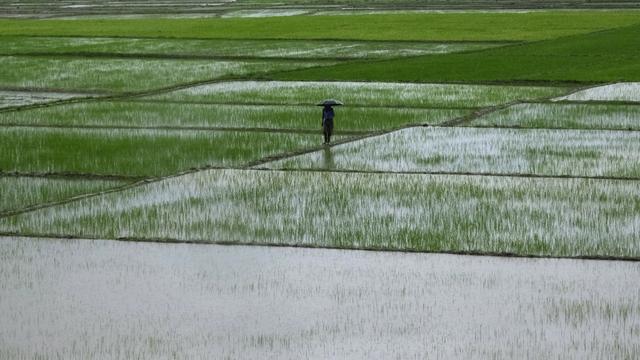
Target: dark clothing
x=327 y=129
x=327 y=113
x=327 y=123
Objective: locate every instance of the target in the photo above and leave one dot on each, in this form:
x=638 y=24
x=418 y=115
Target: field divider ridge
x=326 y=247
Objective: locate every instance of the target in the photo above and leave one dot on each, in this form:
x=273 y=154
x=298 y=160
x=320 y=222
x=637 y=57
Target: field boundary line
x=453 y=173
x=44 y=237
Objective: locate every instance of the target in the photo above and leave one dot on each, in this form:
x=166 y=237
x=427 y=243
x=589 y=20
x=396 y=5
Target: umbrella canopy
x=330 y=102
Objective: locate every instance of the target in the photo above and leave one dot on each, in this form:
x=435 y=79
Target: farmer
x=327 y=123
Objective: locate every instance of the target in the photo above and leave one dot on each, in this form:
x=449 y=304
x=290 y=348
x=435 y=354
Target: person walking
x=327 y=123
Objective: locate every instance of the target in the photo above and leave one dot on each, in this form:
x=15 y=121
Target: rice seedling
x=319 y=49
x=21 y=98
x=597 y=57
x=137 y=152
x=554 y=217
x=449 y=26
x=21 y=192
x=123 y=74
x=106 y=299
x=495 y=151
x=359 y=93
x=170 y=114
x=573 y=116
x=613 y=92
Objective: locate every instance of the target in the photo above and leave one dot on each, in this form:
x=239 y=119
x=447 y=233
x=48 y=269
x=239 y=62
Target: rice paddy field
x=165 y=191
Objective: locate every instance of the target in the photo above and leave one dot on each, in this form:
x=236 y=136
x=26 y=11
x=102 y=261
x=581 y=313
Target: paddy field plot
x=122 y=75
x=563 y=115
x=185 y=48
x=137 y=152
x=622 y=92
x=359 y=93
x=10 y=98
x=549 y=217
x=100 y=299
x=19 y=192
x=488 y=151
x=448 y=26
x=195 y=115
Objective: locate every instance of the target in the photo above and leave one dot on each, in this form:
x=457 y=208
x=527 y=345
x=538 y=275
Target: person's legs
x=329 y=130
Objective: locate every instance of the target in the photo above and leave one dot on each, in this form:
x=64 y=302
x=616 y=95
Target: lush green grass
x=302 y=49
x=574 y=116
x=407 y=26
x=21 y=192
x=599 y=57
x=166 y=114
x=383 y=211
x=493 y=151
x=137 y=152
x=359 y=93
x=118 y=75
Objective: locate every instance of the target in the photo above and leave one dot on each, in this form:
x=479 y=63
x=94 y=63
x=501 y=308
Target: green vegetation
x=21 y=192
x=399 y=95
x=492 y=151
x=375 y=211
x=137 y=152
x=99 y=75
x=22 y=98
x=168 y=114
x=185 y=48
x=604 y=56
x=572 y=116
x=488 y=26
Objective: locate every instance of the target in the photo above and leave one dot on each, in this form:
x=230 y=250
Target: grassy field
x=487 y=151
x=546 y=217
x=603 y=56
x=22 y=98
x=489 y=26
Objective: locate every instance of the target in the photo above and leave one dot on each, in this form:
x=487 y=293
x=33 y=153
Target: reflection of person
x=327 y=159
x=327 y=123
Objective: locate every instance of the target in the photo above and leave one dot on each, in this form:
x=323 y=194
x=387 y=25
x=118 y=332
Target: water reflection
x=327 y=159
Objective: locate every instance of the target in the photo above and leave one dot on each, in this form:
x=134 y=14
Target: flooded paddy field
x=185 y=48
x=19 y=192
x=480 y=214
x=10 y=98
x=622 y=92
x=564 y=115
x=167 y=113
x=138 y=152
x=360 y=93
x=122 y=75
x=133 y=146
x=105 y=299
x=487 y=151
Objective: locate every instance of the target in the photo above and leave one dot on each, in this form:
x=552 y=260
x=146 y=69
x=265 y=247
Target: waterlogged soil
x=102 y=299
x=541 y=152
